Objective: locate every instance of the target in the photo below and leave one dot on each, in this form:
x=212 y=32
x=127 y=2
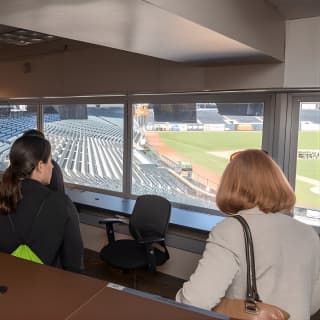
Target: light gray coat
x=287 y=254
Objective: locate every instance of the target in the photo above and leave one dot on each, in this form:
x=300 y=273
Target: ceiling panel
x=141 y=27
x=297 y=9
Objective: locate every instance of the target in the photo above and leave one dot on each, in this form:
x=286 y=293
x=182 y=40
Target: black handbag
x=252 y=308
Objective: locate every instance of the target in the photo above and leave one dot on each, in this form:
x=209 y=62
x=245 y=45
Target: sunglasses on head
x=235 y=154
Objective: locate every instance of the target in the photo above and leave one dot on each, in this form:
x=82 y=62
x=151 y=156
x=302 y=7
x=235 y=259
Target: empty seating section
x=310 y=115
x=90 y=151
x=209 y=116
x=11 y=127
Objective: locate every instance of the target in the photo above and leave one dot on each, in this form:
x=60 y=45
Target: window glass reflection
x=308 y=163
x=181 y=150
x=14 y=120
x=87 y=142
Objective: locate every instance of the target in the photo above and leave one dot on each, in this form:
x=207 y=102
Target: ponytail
x=24 y=156
x=10 y=191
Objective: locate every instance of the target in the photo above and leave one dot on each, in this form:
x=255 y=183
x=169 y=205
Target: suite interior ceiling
x=297 y=9
x=196 y=43
x=22 y=37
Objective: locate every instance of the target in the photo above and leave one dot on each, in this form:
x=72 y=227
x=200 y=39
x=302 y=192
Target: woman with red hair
x=287 y=252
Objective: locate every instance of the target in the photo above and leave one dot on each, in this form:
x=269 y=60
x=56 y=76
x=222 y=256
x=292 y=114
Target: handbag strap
x=252 y=295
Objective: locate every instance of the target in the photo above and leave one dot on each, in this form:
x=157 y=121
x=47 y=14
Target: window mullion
x=127 y=148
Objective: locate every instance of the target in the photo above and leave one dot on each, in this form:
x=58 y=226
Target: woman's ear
x=39 y=167
x=39 y=172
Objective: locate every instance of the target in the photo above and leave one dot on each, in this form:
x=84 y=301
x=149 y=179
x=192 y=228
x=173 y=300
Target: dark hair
x=34 y=132
x=253 y=179
x=25 y=154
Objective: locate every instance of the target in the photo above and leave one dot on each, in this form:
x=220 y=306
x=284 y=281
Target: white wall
x=302 y=62
x=254 y=23
x=252 y=76
x=89 y=70
x=93 y=70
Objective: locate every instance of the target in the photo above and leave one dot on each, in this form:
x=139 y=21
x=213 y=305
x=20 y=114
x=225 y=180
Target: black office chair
x=148 y=225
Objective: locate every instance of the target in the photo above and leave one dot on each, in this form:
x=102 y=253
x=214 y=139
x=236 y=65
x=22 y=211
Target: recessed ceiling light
x=21 y=31
x=22 y=37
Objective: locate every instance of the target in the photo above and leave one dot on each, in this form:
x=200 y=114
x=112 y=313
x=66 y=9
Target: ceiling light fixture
x=21 y=37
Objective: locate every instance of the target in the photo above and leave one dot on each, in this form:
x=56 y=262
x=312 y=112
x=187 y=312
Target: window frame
x=116 y=99
x=128 y=101
x=296 y=99
x=221 y=97
x=279 y=136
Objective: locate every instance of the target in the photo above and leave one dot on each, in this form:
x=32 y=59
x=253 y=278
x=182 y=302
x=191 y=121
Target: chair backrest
x=150 y=216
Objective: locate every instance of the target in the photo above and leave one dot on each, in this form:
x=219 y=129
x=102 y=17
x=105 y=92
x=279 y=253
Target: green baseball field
x=211 y=150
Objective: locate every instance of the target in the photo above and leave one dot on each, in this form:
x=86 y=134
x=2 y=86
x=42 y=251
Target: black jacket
x=55 y=232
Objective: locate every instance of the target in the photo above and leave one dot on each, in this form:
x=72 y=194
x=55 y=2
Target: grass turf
x=195 y=146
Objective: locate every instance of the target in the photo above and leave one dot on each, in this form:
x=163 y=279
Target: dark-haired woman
x=28 y=206
x=56 y=182
x=287 y=252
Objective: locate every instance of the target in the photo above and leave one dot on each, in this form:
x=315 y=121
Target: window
x=87 y=142
x=181 y=150
x=174 y=145
x=308 y=159
x=14 y=120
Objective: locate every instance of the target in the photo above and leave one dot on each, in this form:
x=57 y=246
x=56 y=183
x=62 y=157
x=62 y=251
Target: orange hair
x=253 y=179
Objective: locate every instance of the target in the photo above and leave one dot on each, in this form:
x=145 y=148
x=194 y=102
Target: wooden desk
x=37 y=292
x=41 y=292
x=127 y=303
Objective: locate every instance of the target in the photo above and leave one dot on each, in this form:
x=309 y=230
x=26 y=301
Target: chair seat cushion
x=128 y=254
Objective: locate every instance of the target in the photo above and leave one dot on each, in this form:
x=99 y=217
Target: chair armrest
x=150 y=240
x=108 y=221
